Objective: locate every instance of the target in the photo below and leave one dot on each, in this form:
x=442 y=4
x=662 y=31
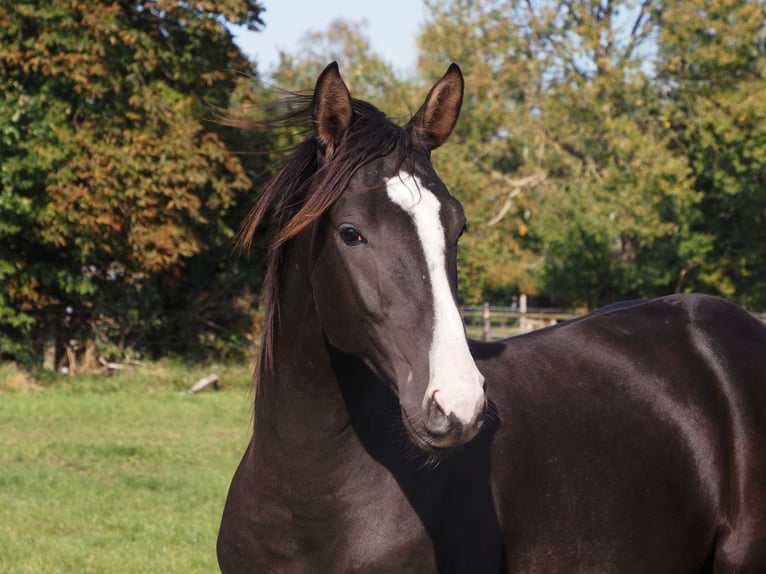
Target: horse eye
x=350 y=235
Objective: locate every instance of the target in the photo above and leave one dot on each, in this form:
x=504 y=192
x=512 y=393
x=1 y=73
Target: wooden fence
x=488 y=323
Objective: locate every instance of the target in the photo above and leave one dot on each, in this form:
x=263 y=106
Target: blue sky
x=391 y=27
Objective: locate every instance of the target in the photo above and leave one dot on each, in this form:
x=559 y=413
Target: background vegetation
x=118 y=196
x=607 y=149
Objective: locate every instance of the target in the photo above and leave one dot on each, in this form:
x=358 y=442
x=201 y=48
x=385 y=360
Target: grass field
x=120 y=474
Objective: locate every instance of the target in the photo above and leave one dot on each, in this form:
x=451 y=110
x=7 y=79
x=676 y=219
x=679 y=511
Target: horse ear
x=436 y=118
x=331 y=108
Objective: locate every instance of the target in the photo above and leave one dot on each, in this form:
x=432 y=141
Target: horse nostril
x=437 y=422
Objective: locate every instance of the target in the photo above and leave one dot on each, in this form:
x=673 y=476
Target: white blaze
x=454 y=381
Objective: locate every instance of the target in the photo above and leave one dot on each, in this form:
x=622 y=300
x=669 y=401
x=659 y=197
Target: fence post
x=486 y=323
x=524 y=324
x=49 y=346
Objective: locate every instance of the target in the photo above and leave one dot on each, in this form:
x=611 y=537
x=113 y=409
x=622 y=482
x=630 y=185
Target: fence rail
x=488 y=323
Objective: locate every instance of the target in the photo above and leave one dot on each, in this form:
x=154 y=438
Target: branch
x=683 y=275
x=587 y=160
x=633 y=42
x=517 y=185
x=503 y=210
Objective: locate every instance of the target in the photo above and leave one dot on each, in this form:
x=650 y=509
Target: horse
x=630 y=440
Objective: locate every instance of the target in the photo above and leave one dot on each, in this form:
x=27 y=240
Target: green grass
x=123 y=474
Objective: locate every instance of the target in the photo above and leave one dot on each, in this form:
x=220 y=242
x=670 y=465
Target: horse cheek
x=341 y=299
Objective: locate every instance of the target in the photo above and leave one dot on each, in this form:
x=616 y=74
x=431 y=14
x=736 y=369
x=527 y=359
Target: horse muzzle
x=452 y=416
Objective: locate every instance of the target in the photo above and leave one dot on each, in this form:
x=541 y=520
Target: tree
x=111 y=182
x=493 y=160
x=712 y=70
x=581 y=187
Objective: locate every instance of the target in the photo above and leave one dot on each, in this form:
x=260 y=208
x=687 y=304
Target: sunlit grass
x=124 y=474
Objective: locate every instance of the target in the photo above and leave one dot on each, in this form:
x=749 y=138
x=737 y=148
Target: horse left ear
x=331 y=108
x=436 y=118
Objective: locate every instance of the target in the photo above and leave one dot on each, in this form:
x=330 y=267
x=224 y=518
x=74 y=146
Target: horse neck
x=298 y=404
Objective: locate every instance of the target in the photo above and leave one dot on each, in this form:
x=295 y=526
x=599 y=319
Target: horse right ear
x=436 y=118
x=331 y=109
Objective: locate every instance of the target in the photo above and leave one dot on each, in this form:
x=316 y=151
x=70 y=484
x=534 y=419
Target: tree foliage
x=712 y=68
x=113 y=187
x=607 y=149
x=586 y=100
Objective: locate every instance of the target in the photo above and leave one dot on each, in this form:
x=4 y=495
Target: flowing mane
x=306 y=186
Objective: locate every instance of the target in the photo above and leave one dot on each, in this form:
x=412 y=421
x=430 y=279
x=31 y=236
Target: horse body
x=631 y=440
x=637 y=445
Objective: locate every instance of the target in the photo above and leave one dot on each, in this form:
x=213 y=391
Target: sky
x=391 y=28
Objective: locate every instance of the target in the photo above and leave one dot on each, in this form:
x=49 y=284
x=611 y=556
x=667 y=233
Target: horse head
x=384 y=277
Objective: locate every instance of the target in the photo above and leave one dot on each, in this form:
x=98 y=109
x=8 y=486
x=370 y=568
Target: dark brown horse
x=631 y=440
